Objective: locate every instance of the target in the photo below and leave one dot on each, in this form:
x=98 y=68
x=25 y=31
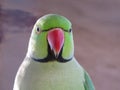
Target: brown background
x=96 y=27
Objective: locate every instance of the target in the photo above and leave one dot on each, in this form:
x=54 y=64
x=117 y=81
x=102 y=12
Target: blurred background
x=96 y=28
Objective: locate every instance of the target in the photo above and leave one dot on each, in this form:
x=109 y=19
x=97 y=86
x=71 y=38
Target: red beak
x=55 y=39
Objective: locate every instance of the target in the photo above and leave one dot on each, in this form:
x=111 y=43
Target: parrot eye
x=38 y=30
x=70 y=30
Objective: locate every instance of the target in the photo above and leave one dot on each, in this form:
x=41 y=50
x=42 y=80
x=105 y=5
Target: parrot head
x=51 y=39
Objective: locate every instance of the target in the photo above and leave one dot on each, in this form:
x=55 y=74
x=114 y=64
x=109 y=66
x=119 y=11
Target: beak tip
x=56 y=54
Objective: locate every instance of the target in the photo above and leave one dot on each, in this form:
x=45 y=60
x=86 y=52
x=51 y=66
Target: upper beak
x=55 y=39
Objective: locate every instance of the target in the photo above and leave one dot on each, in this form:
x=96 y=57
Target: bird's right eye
x=38 y=30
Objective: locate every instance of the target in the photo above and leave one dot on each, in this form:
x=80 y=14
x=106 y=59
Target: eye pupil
x=70 y=30
x=38 y=30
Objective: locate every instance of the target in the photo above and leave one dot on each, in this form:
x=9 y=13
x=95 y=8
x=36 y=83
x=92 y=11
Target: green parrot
x=50 y=63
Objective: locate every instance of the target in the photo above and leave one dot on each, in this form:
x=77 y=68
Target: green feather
x=38 y=45
x=68 y=49
x=88 y=82
x=53 y=20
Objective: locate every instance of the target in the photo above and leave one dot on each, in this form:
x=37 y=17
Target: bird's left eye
x=70 y=30
x=38 y=30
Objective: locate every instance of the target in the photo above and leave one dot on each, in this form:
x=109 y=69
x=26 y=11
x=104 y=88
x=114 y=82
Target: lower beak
x=55 y=39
